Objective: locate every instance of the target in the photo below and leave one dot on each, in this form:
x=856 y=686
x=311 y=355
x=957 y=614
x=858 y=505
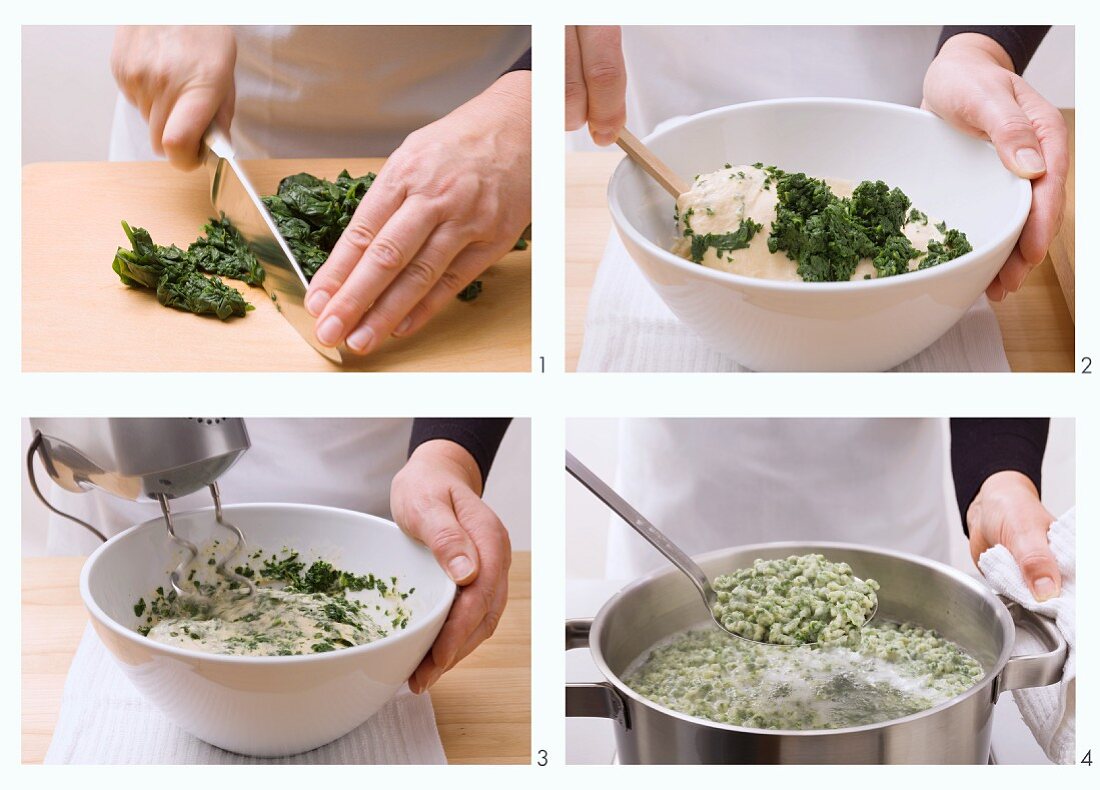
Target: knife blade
x=232 y=194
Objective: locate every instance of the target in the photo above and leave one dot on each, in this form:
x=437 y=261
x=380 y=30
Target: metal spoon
x=659 y=541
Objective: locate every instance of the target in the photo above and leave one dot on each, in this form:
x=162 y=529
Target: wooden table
x=482 y=706
x=1036 y=323
x=78 y=316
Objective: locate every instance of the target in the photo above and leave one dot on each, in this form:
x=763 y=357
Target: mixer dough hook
x=223 y=568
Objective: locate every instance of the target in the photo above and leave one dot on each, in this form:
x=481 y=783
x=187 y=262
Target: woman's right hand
x=181 y=79
x=1008 y=511
x=595 y=81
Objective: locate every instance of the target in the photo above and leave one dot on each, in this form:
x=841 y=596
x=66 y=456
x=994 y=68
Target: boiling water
x=896 y=671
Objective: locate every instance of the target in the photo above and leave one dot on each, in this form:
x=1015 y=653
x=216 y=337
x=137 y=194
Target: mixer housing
x=140 y=458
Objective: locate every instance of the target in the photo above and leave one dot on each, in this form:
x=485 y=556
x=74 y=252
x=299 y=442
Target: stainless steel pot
x=913 y=590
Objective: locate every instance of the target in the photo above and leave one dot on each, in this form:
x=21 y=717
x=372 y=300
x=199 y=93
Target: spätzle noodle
x=795 y=601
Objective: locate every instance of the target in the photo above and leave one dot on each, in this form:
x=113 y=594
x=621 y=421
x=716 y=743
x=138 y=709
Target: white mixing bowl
x=862 y=325
x=267 y=706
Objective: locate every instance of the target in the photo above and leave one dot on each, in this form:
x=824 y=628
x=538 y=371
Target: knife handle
x=217 y=140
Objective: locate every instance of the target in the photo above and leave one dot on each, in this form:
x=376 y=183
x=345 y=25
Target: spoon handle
x=640 y=523
x=657 y=169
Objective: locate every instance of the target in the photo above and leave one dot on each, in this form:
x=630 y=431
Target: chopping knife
x=232 y=193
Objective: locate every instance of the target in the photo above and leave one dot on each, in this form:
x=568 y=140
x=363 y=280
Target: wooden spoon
x=658 y=170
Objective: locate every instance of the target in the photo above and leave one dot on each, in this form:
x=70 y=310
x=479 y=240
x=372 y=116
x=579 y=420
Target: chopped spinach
x=953 y=245
x=879 y=210
x=223 y=251
x=894 y=255
x=828 y=236
x=724 y=242
x=470 y=292
x=174 y=276
x=309 y=212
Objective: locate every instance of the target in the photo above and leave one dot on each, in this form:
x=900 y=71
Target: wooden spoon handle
x=658 y=170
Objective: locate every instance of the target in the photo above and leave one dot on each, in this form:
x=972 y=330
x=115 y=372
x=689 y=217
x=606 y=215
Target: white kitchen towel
x=1049 y=711
x=628 y=328
x=105 y=720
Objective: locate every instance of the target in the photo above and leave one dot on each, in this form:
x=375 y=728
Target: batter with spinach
x=296 y=609
x=759 y=221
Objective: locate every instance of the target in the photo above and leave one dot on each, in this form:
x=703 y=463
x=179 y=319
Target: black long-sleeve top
x=1019 y=41
x=981 y=447
x=523 y=64
x=479 y=436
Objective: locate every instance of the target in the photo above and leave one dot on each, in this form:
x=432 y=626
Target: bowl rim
x=623 y=226
x=441 y=608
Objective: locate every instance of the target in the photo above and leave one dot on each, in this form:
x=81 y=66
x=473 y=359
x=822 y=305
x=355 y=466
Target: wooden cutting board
x=482 y=706
x=1036 y=322
x=78 y=316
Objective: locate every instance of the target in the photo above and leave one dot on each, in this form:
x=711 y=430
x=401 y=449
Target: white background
x=549 y=398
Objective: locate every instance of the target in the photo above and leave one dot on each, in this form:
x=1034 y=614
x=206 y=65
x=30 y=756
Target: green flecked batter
x=296 y=609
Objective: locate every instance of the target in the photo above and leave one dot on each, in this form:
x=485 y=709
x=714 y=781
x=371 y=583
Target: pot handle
x=576 y=633
x=1039 y=669
x=590 y=700
x=595 y=701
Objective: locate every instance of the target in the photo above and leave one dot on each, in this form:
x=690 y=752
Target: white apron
x=677 y=71
x=711 y=484
x=332 y=91
x=347 y=463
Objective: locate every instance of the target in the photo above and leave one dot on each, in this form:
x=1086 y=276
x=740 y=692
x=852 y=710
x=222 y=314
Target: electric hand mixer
x=144 y=459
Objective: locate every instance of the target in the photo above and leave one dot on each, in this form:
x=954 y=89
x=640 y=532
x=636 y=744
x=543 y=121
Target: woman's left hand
x=972 y=85
x=450 y=202
x=436 y=499
x=1007 y=511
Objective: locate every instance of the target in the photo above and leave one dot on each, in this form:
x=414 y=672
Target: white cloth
x=715 y=483
x=346 y=463
x=628 y=328
x=344 y=90
x=1050 y=711
x=105 y=720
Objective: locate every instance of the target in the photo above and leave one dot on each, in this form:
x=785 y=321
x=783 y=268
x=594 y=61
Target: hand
x=180 y=78
x=436 y=499
x=595 y=81
x=450 y=202
x=971 y=85
x=1007 y=511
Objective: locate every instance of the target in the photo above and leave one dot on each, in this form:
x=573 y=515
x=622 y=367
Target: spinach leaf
x=470 y=292
x=828 y=236
x=724 y=242
x=953 y=245
x=224 y=251
x=175 y=278
x=309 y=212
